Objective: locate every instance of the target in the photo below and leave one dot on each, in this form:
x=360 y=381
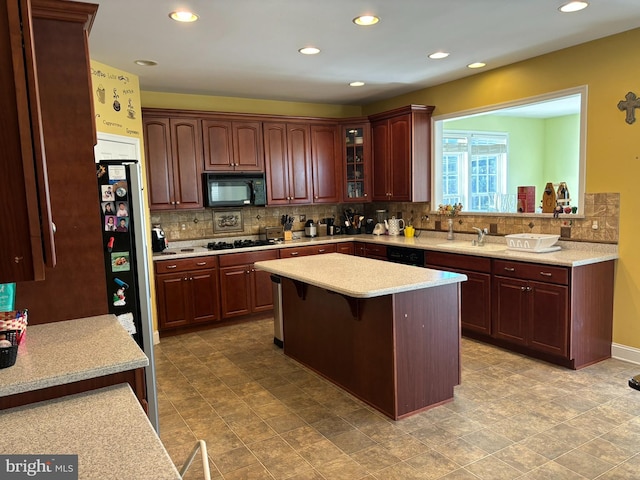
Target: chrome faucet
x=481 y=234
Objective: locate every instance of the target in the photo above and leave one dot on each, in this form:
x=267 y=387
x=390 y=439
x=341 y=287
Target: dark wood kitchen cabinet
x=560 y=314
x=345 y=247
x=475 y=293
x=173 y=152
x=76 y=287
x=291 y=252
x=370 y=250
x=245 y=290
x=326 y=171
x=232 y=145
x=187 y=292
x=531 y=312
x=287 y=150
x=27 y=240
x=402 y=154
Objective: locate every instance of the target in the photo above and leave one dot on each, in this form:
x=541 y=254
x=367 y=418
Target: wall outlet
x=303 y=218
x=493 y=228
x=565 y=232
x=183 y=227
x=594 y=225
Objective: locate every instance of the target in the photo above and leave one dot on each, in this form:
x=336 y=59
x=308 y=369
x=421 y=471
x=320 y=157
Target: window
x=474 y=168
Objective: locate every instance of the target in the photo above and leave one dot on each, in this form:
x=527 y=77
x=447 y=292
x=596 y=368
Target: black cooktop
x=239 y=244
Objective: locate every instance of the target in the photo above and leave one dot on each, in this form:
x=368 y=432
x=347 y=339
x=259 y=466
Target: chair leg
x=202 y=446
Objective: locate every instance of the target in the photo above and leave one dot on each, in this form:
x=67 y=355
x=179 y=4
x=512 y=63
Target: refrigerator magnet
x=126 y=320
x=122 y=224
x=119 y=297
x=110 y=223
x=120 y=262
x=122 y=210
x=109 y=208
x=107 y=193
x=120 y=188
x=117 y=172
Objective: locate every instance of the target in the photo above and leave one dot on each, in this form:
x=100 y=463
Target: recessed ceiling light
x=438 y=55
x=183 y=16
x=146 y=63
x=365 y=20
x=477 y=65
x=309 y=50
x=356 y=84
x=573 y=7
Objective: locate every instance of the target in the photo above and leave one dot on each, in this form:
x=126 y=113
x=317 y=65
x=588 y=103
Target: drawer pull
x=200 y=264
x=546 y=274
x=509 y=269
x=321 y=250
x=169 y=267
x=293 y=254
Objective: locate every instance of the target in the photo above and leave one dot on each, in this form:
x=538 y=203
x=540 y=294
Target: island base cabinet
x=399 y=353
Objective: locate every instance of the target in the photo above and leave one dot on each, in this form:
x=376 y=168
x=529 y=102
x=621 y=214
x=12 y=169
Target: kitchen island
x=387 y=333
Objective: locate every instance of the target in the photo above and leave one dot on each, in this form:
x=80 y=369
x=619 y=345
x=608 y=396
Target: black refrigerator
x=125 y=257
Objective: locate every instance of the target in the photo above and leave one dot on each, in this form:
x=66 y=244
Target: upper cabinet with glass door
x=357 y=160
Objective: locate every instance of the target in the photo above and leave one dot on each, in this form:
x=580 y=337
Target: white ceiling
x=248 y=48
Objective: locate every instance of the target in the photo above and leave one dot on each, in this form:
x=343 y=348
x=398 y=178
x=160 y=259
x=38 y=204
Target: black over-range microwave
x=234 y=189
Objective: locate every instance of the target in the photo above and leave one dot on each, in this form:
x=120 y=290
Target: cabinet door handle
x=200 y=264
x=509 y=269
x=54 y=229
x=546 y=274
x=177 y=203
x=253 y=269
x=18 y=259
x=524 y=289
x=365 y=195
x=191 y=278
x=169 y=267
x=293 y=254
x=321 y=250
x=185 y=279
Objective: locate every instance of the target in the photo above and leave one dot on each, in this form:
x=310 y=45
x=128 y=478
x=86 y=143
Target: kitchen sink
x=492 y=247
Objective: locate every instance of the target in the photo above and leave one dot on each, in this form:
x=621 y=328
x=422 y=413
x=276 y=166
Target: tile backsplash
x=601 y=210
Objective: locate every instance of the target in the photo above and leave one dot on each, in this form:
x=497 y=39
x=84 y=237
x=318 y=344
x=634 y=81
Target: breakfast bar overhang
x=387 y=333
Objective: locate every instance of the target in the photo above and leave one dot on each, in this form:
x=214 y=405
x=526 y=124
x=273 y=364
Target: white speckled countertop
x=69 y=351
x=106 y=428
x=572 y=254
x=357 y=276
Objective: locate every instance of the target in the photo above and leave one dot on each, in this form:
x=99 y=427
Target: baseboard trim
x=623 y=352
x=156 y=337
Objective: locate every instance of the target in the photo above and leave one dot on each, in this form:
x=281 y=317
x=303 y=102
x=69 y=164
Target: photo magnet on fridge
x=109 y=208
x=120 y=262
x=122 y=224
x=110 y=223
x=107 y=193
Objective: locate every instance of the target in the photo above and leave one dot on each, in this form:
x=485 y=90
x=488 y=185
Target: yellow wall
x=247 y=105
x=610 y=67
x=109 y=82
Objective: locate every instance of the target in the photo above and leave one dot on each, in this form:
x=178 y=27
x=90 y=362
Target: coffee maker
x=158 y=239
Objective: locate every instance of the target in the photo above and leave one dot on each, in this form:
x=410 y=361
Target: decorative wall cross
x=630 y=104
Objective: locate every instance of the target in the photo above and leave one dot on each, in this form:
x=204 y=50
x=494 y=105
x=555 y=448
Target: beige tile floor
x=264 y=416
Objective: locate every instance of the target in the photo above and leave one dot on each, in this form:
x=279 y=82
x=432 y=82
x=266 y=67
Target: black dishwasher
x=407 y=256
